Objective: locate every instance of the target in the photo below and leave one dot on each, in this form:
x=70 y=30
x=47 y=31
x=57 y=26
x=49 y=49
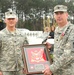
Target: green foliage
x=33 y=9
x=4 y=5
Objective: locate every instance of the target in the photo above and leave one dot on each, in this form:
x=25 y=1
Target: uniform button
x=57 y=40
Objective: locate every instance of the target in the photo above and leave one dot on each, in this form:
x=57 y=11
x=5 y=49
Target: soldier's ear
x=54 y=15
x=67 y=14
x=16 y=19
x=5 y=20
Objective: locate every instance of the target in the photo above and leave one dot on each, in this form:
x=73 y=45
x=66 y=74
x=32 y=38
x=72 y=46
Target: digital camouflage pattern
x=11 y=50
x=63 y=63
x=13 y=73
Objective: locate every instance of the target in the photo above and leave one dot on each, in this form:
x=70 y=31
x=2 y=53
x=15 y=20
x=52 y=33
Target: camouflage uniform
x=63 y=63
x=11 y=51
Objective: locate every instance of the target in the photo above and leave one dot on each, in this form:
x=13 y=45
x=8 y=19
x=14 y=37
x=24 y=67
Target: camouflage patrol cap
x=62 y=8
x=10 y=14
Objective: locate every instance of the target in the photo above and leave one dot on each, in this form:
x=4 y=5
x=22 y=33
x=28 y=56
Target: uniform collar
x=63 y=29
x=8 y=32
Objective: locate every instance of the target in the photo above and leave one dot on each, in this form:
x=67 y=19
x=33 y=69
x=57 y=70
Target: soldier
x=11 y=42
x=63 y=60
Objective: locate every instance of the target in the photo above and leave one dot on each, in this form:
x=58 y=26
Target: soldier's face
x=11 y=22
x=61 y=17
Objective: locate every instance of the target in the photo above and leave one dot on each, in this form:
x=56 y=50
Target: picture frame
x=36 y=58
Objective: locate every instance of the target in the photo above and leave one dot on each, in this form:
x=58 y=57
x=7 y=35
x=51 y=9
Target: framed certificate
x=36 y=58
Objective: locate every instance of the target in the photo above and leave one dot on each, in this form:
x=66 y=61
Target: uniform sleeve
x=1 y=34
x=0 y=55
x=0 y=51
x=66 y=57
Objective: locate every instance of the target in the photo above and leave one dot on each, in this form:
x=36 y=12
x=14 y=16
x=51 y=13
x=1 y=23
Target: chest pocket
x=11 y=40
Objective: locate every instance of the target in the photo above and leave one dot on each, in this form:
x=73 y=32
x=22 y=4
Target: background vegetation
x=31 y=13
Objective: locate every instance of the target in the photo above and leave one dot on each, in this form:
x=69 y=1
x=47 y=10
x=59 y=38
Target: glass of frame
x=36 y=58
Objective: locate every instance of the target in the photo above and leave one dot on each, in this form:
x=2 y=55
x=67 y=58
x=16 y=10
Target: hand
x=47 y=72
x=48 y=45
x=24 y=71
x=49 y=37
x=1 y=73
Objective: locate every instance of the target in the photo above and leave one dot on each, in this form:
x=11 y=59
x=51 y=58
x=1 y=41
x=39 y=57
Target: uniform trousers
x=13 y=73
x=16 y=73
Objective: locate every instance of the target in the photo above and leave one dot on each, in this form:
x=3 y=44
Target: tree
x=4 y=5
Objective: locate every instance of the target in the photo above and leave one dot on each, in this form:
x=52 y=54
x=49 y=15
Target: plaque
x=36 y=58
